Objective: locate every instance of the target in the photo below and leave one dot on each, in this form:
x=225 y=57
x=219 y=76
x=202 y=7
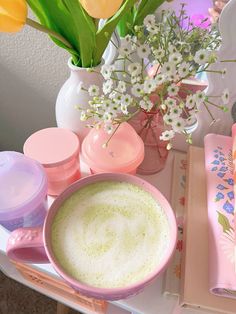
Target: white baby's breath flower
x=178 y=125
x=107 y=87
x=83 y=116
x=183 y=69
x=202 y=56
x=172 y=49
x=153 y=29
x=107 y=116
x=125 y=40
x=175 y=111
x=135 y=69
x=146 y=105
x=199 y=97
x=125 y=51
x=113 y=95
x=168 y=119
x=173 y=90
x=159 y=79
x=106 y=71
x=126 y=100
x=190 y=102
x=149 y=86
x=124 y=109
x=137 y=90
x=149 y=20
x=143 y=51
x=168 y=68
x=225 y=96
x=108 y=127
x=170 y=102
x=121 y=87
x=93 y=90
x=167 y=135
x=159 y=53
x=176 y=58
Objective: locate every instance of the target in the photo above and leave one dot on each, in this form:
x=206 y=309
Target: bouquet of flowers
x=157 y=60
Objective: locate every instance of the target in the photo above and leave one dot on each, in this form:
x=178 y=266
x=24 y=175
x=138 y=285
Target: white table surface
x=150 y=301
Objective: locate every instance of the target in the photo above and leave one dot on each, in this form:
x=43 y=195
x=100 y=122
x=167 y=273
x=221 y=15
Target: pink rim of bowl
x=113 y=293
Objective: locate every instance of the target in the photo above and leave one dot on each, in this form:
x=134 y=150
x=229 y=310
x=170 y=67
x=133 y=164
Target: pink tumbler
x=23 y=191
x=121 y=152
x=57 y=150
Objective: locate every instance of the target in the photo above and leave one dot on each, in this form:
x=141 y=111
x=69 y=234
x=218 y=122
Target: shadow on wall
x=22 y=111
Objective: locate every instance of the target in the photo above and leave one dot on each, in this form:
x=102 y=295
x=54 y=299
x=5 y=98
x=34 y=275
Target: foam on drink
x=110 y=234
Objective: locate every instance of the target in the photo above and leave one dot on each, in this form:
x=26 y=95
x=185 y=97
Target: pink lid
x=52 y=147
x=124 y=152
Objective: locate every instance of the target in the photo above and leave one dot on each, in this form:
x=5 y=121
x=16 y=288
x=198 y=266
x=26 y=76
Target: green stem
x=228 y=61
x=48 y=31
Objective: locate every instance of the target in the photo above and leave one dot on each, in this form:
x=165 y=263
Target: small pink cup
x=57 y=150
x=33 y=245
x=123 y=153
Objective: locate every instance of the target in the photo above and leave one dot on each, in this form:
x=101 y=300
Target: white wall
x=32 y=70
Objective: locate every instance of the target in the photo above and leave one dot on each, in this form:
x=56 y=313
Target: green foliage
x=224 y=222
x=136 y=15
x=69 y=19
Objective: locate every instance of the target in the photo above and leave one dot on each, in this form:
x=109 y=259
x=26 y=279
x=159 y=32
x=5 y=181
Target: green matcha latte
x=110 y=234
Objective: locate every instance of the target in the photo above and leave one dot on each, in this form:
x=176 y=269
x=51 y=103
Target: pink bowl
x=34 y=245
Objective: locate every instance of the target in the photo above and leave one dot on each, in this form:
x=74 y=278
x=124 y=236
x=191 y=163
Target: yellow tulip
x=101 y=9
x=13 y=14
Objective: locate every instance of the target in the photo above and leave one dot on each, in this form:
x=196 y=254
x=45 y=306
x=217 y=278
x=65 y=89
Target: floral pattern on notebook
x=222 y=166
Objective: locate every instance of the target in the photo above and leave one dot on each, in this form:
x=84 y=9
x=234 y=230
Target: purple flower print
x=214 y=169
x=216 y=156
x=221 y=153
x=216 y=151
x=221 y=187
x=230 y=181
x=224 y=169
x=230 y=195
x=221 y=158
x=215 y=162
x=219 y=196
x=229 y=208
x=221 y=174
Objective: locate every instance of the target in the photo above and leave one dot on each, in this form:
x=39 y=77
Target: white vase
x=71 y=95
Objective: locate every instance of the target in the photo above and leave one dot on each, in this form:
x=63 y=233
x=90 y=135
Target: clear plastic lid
x=124 y=152
x=23 y=184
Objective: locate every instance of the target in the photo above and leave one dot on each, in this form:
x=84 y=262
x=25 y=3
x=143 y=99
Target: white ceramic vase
x=72 y=95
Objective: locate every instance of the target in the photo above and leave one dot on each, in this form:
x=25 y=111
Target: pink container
x=23 y=191
x=58 y=151
x=123 y=153
x=34 y=244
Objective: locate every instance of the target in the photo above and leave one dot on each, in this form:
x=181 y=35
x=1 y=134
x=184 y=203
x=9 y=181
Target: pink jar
x=57 y=150
x=123 y=153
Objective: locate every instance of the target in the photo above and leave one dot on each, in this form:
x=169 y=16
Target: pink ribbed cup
x=33 y=245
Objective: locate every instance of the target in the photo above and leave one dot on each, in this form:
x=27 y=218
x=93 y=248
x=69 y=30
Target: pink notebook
x=220 y=197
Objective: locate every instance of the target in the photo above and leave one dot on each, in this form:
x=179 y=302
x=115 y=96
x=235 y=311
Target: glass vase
x=149 y=126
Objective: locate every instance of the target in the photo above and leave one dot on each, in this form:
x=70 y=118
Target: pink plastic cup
x=33 y=245
x=123 y=153
x=57 y=150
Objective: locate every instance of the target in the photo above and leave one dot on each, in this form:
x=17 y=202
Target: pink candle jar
x=57 y=150
x=123 y=153
x=23 y=191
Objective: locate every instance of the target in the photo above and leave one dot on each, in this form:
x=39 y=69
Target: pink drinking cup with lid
x=33 y=245
x=121 y=152
x=23 y=191
x=57 y=150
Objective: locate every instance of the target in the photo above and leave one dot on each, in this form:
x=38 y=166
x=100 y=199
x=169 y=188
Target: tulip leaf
x=104 y=34
x=146 y=7
x=68 y=18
